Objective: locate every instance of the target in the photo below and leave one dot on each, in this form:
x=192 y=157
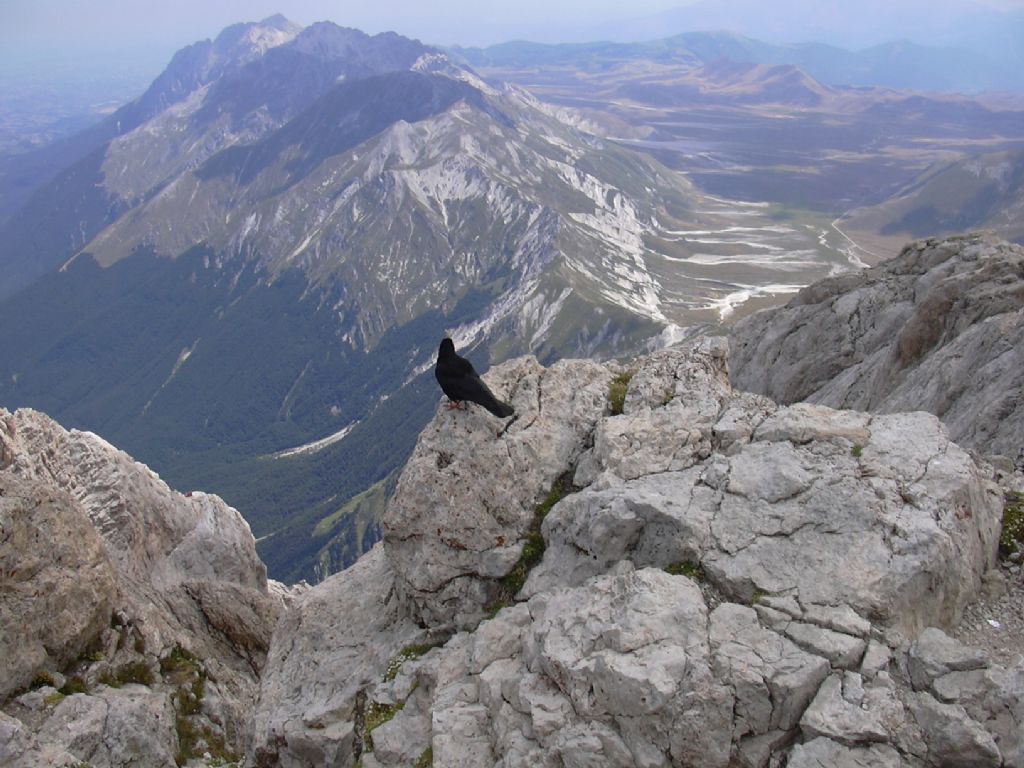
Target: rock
x=467 y=496
x=954 y=739
x=333 y=642
x=114 y=727
x=671 y=407
x=938 y=328
x=57 y=584
x=765 y=520
x=835 y=717
x=841 y=650
x=935 y=654
x=19 y=748
x=876 y=659
x=822 y=752
x=118 y=564
x=633 y=648
x=993 y=697
x=841 y=618
x=773 y=679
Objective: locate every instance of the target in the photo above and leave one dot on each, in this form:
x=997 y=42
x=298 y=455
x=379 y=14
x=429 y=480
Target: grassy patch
x=1012 y=537
x=137 y=672
x=692 y=571
x=194 y=741
x=74 y=684
x=184 y=670
x=617 y=391
x=856 y=451
x=406 y=654
x=41 y=680
x=426 y=760
x=54 y=699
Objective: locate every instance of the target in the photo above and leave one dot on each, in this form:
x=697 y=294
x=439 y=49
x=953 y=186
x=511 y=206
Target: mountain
x=189 y=69
x=955 y=23
x=889 y=64
x=984 y=191
x=247 y=289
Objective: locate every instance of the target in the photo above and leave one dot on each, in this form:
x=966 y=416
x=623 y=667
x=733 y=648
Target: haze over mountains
x=241 y=277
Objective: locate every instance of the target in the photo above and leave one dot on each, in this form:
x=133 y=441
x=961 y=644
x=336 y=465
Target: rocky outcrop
x=724 y=582
x=146 y=608
x=939 y=328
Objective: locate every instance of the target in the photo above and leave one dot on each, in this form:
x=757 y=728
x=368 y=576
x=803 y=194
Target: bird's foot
x=455 y=405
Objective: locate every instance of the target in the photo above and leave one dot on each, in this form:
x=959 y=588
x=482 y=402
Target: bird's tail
x=500 y=409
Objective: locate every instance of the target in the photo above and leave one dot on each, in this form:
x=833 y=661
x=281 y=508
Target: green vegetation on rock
x=617 y=391
x=1012 y=537
x=406 y=654
x=136 y=672
x=692 y=571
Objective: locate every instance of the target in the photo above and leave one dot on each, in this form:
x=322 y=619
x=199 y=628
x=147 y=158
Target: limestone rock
x=837 y=714
x=822 y=752
x=102 y=556
x=773 y=679
x=935 y=654
x=468 y=494
x=939 y=328
x=335 y=640
x=115 y=728
x=954 y=738
x=57 y=585
x=19 y=748
x=857 y=536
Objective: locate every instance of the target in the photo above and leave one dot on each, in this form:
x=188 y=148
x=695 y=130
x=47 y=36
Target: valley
x=763 y=132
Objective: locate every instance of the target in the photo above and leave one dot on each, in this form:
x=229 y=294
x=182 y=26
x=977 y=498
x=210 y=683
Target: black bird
x=461 y=383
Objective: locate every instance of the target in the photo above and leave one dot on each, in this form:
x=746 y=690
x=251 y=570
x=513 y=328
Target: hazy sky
x=179 y=22
x=106 y=27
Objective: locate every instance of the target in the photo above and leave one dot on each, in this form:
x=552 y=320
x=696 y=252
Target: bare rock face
x=469 y=492
x=753 y=596
x=58 y=588
x=940 y=328
x=109 y=577
x=333 y=641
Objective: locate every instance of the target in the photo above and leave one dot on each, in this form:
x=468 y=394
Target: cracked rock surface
x=730 y=583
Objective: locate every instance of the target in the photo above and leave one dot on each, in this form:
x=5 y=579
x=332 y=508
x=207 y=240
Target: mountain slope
x=252 y=79
x=190 y=69
x=981 y=192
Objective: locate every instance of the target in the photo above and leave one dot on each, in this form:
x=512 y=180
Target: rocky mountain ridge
x=939 y=328
x=645 y=567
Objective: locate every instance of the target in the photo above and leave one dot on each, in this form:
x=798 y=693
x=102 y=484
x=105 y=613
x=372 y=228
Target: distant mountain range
x=901 y=64
x=244 y=275
x=963 y=24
